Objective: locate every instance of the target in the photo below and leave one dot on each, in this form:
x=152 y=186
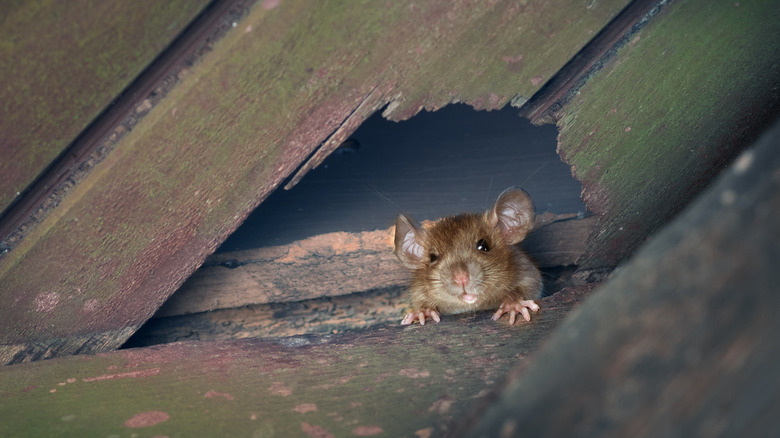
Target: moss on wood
x=392 y=380
x=681 y=342
x=668 y=112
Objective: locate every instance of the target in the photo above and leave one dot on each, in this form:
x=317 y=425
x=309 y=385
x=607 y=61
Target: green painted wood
x=61 y=63
x=287 y=77
x=389 y=381
x=667 y=113
x=682 y=342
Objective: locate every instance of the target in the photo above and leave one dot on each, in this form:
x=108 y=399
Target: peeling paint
x=442 y=405
x=129 y=374
x=414 y=373
x=270 y=4
x=305 y=407
x=315 y=431
x=146 y=419
x=215 y=394
x=279 y=388
x=367 y=431
x=424 y=433
x=46 y=302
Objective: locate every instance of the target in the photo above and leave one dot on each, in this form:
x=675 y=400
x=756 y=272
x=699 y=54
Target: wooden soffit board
x=62 y=63
x=290 y=77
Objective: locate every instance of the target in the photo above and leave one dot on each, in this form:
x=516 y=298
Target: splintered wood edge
x=340 y=263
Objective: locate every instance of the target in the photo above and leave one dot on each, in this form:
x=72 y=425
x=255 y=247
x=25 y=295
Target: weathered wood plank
x=674 y=106
x=682 y=341
x=339 y=264
x=326 y=265
x=272 y=91
x=318 y=316
x=392 y=381
x=62 y=63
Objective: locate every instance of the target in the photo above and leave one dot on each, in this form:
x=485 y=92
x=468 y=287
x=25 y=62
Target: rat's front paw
x=523 y=307
x=420 y=315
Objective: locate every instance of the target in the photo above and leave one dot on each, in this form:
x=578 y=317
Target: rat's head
x=468 y=258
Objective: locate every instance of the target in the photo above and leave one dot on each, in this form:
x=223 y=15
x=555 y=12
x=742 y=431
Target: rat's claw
x=526 y=313
x=523 y=307
x=420 y=316
x=530 y=304
x=498 y=313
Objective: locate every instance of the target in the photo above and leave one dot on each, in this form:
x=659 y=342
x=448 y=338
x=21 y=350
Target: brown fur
x=504 y=273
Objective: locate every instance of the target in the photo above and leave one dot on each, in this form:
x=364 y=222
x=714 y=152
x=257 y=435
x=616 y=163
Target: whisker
x=487 y=195
x=534 y=173
x=382 y=195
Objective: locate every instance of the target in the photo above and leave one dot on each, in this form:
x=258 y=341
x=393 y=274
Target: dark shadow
x=435 y=164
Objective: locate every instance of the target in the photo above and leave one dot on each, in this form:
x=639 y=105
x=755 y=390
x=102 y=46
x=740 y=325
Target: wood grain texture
x=241 y=121
x=682 y=341
x=667 y=113
x=316 y=316
x=389 y=381
x=62 y=64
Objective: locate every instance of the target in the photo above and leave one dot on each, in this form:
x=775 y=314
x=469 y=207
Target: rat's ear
x=514 y=214
x=408 y=243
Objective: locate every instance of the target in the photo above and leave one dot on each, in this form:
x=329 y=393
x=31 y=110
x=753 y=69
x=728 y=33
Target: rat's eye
x=483 y=246
x=433 y=257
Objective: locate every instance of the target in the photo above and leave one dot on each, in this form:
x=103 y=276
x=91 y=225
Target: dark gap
x=433 y=165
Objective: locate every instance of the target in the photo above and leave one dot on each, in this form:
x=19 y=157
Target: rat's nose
x=460 y=277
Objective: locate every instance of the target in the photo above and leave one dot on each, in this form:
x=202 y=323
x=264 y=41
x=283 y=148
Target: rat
x=472 y=261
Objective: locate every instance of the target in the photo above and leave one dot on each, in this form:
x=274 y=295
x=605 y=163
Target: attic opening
x=317 y=259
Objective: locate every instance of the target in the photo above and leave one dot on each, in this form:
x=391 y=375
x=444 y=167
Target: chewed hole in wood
x=318 y=259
